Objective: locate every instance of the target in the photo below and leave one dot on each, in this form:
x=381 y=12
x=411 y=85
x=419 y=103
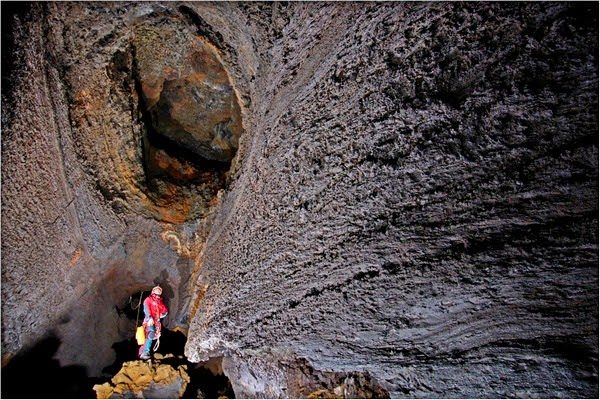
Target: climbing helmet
x=157 y=290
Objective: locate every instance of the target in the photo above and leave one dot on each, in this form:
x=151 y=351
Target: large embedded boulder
x=187 y=90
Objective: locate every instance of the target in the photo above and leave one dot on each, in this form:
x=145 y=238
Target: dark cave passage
x=207 y=379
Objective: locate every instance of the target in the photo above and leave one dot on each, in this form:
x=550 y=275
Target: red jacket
x=154 y=309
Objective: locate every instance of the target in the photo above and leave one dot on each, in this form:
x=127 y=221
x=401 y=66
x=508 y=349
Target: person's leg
x=148 y=343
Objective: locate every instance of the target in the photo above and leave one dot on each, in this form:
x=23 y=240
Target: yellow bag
x=140 y=335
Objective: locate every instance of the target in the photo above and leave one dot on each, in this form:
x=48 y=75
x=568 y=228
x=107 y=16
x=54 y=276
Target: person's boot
x=145 y=356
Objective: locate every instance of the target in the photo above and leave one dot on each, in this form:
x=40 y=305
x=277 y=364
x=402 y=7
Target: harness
x=137 y=318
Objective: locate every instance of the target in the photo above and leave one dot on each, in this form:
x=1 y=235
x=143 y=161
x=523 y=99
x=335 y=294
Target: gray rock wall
x=419 y=201
x=412 y=209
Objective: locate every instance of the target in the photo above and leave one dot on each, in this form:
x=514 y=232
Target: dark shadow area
x=207 y=381
x=133 y=308
x=12 y=12
x=125 y=350
x=36 y=374
x=172 y=342
x=177 y=151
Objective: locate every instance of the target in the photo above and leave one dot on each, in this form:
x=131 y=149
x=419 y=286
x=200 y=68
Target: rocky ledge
x=146 y=380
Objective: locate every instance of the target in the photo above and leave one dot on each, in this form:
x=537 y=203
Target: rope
x=138 y=317
x=131 y=301
x=138 y=308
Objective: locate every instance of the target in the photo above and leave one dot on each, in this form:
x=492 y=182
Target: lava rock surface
x=409 y=208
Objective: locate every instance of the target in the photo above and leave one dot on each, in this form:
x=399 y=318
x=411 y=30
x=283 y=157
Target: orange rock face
x=179 y=169
x=143 y=380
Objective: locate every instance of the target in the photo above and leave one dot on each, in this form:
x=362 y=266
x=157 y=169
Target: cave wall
x=97 y=204
x=411 y=211
x=419 y=201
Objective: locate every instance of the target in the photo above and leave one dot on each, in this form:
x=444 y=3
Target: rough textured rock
x=412 y=207
x=88 y=218
x=143 y=380
x=276 y=376
x=419 y=200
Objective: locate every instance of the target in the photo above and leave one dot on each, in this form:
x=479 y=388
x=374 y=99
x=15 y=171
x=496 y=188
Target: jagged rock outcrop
x=145 y=380
x=409 y=207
